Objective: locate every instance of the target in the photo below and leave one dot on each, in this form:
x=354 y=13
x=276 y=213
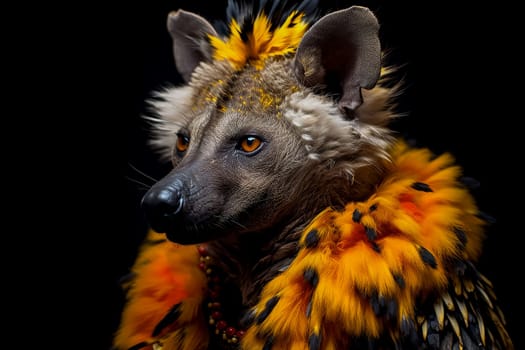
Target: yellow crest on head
x=261 y=42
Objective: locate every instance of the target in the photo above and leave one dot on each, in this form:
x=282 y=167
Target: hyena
x=294 y=218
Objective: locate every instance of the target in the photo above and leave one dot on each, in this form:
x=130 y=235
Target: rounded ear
x=190 y=35
x=341 y=51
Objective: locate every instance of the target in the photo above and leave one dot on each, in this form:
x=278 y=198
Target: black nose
x=162 y=205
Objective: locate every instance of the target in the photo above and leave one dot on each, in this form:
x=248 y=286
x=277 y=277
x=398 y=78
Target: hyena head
x=278 y=119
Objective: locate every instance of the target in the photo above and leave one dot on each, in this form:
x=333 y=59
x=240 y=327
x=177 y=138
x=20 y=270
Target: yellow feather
x=455 y=327
x=262 y=43
x=440 y=313
x=458 y=287
x=485 y=296
x=463 y=310
x=260 y=36
x=424 y=330
x=448 y=301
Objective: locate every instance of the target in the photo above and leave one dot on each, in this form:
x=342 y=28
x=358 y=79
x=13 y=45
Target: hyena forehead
x=215 y=90
x=260 y=91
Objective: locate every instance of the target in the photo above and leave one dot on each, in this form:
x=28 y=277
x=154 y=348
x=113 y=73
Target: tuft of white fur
x=330 y=138
x=172 y=108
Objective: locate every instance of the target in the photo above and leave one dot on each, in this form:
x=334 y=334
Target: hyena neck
x=252 y=260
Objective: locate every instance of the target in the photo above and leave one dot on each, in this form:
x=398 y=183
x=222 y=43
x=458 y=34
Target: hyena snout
x=163 y=205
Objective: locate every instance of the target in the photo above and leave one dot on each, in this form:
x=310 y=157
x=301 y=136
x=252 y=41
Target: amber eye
x=250 y=144
x=182 y=143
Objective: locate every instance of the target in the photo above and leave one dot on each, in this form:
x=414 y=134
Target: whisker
x=144 y=185
x=238 y=224
x=149 y=177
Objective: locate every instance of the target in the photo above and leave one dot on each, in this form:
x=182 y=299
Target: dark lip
x=187 y=232
x=192 y=234
x=184 y=237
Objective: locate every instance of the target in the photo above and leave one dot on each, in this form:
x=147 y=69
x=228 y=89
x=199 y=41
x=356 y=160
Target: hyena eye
x=182 y=144
x=249 y=144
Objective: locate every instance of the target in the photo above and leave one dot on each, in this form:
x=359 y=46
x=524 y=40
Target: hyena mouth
x=188 y=234
x=165 y=206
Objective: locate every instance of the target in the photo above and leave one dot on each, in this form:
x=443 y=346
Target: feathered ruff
x=369 y=271
x=164 y=299
x=394 y=271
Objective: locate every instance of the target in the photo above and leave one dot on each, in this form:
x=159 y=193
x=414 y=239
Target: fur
x=325 y=228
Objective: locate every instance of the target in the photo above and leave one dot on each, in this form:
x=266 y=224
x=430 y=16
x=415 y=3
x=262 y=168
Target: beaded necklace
x=228 y=334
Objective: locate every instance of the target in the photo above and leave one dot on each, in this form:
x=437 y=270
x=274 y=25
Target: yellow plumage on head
x=261 y=43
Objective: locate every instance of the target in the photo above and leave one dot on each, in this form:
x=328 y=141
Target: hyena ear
x=341 y=52
x=189 y=33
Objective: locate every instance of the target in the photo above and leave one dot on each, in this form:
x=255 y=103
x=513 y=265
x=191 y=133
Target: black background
x=459 y=65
